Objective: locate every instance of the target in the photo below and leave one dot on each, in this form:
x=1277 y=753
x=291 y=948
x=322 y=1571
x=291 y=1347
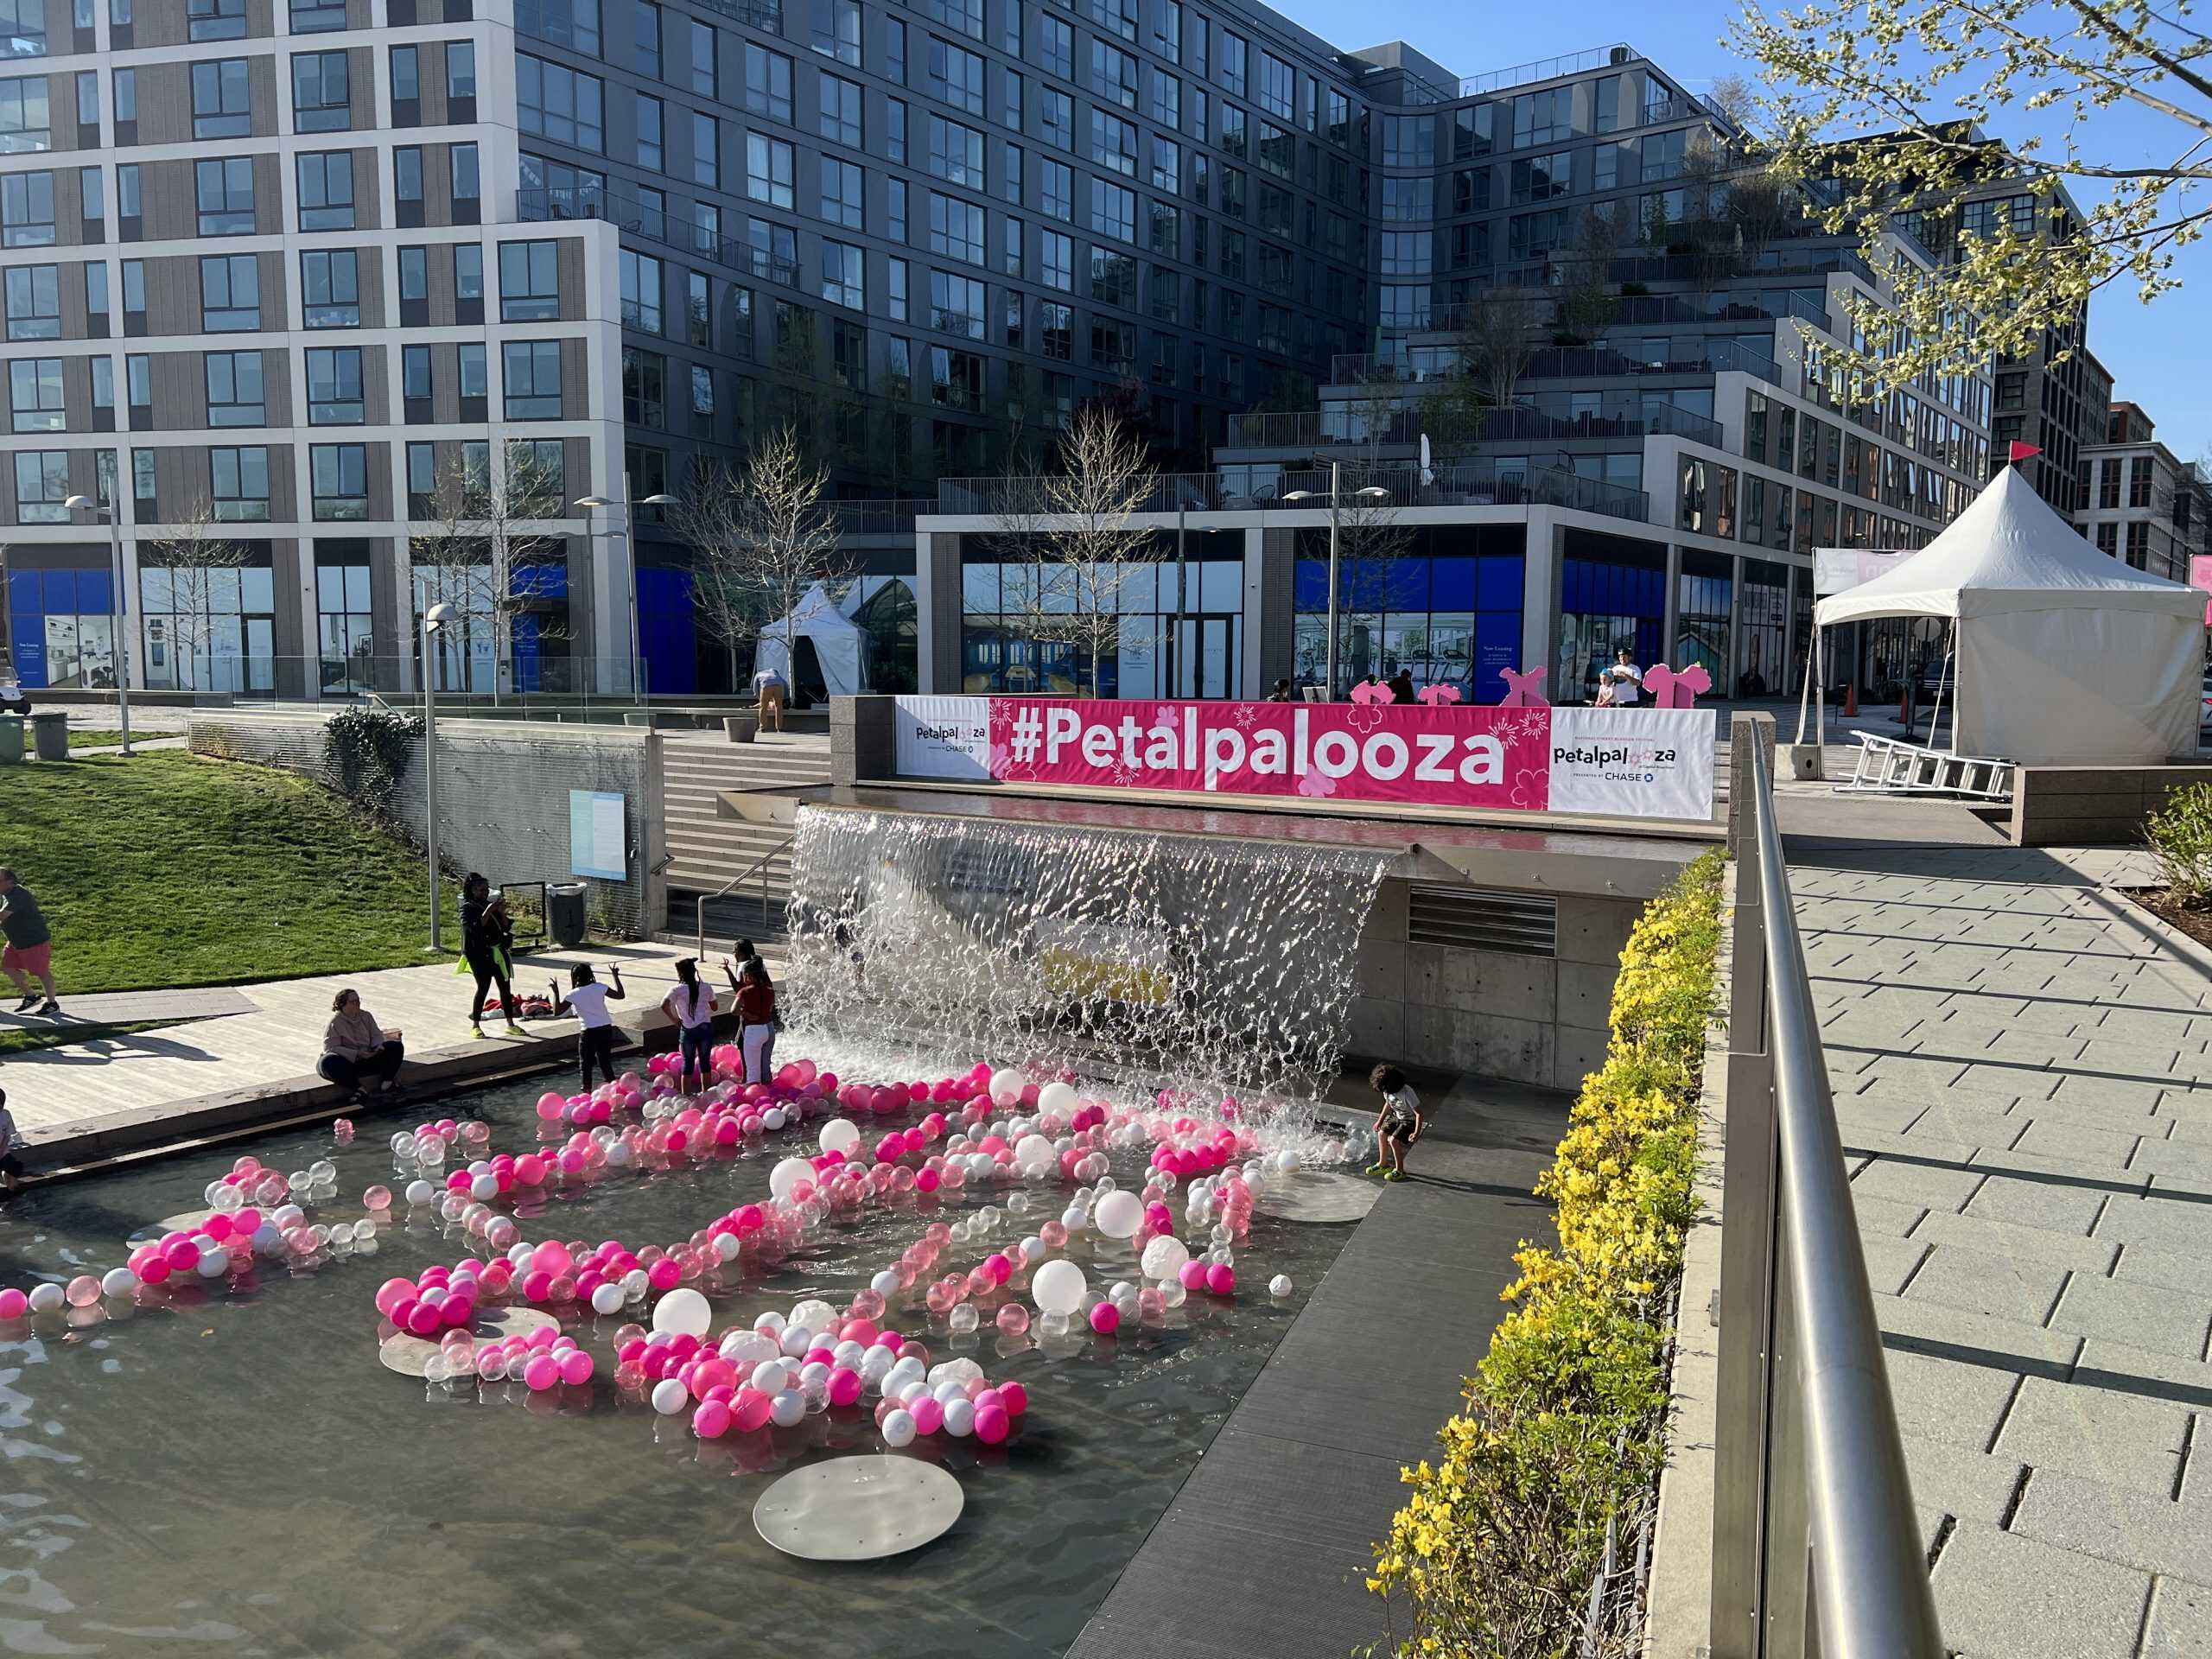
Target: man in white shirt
x=1622 y=683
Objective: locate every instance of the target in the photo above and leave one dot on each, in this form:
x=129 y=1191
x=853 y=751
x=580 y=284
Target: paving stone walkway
x=2020 y=1065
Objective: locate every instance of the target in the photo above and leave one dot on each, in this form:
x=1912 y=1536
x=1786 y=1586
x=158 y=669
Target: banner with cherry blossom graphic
x=1649 y=763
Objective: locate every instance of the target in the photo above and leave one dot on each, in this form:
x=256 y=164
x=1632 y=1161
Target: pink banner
x=1440 y=754
x=2200 y=577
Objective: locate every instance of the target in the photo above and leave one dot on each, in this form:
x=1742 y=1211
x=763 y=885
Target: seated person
x=356 y=1050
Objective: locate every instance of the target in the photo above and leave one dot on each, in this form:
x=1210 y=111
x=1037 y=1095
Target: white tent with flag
x=840 y=646
x=2064 y=655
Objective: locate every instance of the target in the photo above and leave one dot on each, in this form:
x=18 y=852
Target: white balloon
x=788 y=1408
x=607 y=1297
x=726 y=1247
x=796 y=1340
x=898 y=1428
x=1280 y=1284
x=44 y=1299
x=789 y=1175
x=960 y=1417
x=1035 y=1153
x=1120 y=1214
x=1059 y=1287
x=1059 y=1098
x=1165 y=1256
x=815 y=1314
x=420 y=1191
x=670 y=1396
x=118 y=1281
x=839 y=1135
x=213 y=1264
x=770 y=1324
x=746 y=1348
x=885 y=1284
x=683 y=1311
x=875 y=1365
x=773 y=1118
x=771 y=1376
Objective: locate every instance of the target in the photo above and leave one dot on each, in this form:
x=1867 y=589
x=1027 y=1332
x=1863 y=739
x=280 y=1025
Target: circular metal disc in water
x=1318 y=1195
x=408 y=1354
x=190 y=1222
x=858 y=1509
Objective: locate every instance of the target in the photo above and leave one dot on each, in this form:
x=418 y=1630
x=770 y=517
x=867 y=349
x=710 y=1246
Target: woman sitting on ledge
x=355 y=1049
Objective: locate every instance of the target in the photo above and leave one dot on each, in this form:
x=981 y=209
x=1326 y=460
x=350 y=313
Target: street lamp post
x=438 y=617
x=1372 y=492
x=592 y=503
x=121 y=615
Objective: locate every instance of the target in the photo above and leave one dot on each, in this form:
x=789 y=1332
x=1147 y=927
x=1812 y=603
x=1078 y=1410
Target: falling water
x=1163 y=959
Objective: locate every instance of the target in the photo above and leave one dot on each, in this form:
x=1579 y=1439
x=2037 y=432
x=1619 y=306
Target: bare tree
x=482 y=548
x=1498 y=335
x=193 y=552
x=1587 y=304
x=759 y=539
x=1075 y=532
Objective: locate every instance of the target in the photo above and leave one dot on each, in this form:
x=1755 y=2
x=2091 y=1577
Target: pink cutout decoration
x=1366 y=692
x=1524 y=690
x=1673 y=688
x=1439 y=696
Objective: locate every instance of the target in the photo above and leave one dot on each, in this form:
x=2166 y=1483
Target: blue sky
x=2160 y=355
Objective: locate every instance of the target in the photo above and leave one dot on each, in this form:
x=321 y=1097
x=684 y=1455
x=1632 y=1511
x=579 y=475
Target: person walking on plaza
x=588 y=1000
x=1398 y=1125
x=28 y=953
x=756 y=1014
x=1622 y=683
x=768 y=686
x=691 y=1004
x=484 y=936
x=11 y=1149
x=356 y=1051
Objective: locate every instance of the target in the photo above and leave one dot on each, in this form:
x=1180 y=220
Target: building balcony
x=1548 y=417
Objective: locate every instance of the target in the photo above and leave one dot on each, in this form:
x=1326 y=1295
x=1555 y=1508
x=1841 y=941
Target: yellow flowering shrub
x=1566 y=1416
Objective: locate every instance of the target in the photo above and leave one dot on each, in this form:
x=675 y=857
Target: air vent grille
x=1484 y=919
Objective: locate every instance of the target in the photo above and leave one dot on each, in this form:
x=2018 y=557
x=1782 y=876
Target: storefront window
x=62 y=627
x=210 y=627
x=1447 y=609
x=341 y=590
x=1606 y=606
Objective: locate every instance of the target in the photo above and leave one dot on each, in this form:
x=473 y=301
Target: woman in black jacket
x=486 y=935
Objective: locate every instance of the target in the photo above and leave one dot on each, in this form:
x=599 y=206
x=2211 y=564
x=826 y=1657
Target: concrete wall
x=2093 y=806
x=1530 y=1019
x=503 y=796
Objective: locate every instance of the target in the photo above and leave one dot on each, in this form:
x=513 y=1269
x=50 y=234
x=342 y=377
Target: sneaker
x=1395 y=1175
x=476 y=1031
x=28 y=1003
x=514 y=1030
x=49 y=1006
x=1376 y=1169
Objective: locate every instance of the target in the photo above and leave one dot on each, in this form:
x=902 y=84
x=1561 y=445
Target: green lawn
x=106 y=739
x=169 y=869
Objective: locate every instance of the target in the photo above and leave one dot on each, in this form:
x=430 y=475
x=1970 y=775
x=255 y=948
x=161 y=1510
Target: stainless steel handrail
x=1869 y=1576
x=760 y=864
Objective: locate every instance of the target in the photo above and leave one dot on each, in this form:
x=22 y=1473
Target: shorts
x=1396 y=1126
x=34 y=959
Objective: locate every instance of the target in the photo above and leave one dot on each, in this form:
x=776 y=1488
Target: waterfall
x=1177 y=960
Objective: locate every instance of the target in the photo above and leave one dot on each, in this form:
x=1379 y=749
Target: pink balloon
x=1105 y=1319
x=712 y=1421
x=576 y=1367
x=845 y=1386
x=1193 y=1275
x=1221 y=1279
x=1014 y=1398
x=541 y=1373
x=992 y=1421
x=13 y=1304
x=929 y=1415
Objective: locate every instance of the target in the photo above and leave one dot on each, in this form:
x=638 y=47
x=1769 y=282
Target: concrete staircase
x=707 y=848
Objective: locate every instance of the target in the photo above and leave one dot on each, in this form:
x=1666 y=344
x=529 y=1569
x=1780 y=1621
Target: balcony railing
x=1484 y=482
x=1552 y=417
x=638 y=219
x=889 y=517
x=1525 y=74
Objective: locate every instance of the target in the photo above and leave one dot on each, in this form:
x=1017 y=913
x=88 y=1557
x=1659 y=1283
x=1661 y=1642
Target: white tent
x=2065 y=656
x=840 y=646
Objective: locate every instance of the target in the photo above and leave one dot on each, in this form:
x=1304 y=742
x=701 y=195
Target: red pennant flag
x=2022 y=451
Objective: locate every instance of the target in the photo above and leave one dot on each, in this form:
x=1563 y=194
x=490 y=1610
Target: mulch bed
x=2160 y=902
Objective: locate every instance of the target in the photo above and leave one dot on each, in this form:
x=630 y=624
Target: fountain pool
x=230 y=1471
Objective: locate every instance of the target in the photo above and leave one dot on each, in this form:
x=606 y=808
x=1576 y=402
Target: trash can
x=564 y=912
x=11 y=740
x=50 y=735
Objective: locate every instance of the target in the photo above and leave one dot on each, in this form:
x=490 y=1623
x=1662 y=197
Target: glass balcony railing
x=1548 y=417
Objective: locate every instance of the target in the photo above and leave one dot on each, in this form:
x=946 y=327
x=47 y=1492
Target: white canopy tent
x=840 y=646
x=2064 y=655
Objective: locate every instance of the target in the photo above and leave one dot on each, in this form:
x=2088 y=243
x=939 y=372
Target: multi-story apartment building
x=336 y=253
x=2141 y=503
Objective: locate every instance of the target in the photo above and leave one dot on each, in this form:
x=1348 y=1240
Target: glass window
x=955 y=75
x=648 y=37
x=415 y=373
x=468 y=271
x=221 y=106
x=841 y=202
x=532 y=371
x=641 y=292
x=42 y=487
x=706 y=77
x=530 y=282
x=34 y=395
x=565 y=22
x=34 y=301
x=651 y=151
x=465 y=180
x=241 y=476
x=956 y=228
x=225 y=196
x=843 y=282
x=768 y=169
x=461 y=69
x=229 y=293
x=956 y=153
x=768 y=82
x=335 y=385
x=22 y=29
x=318 y=94
x=839 y=120
x=559 y=103
x=406 y=74
x=837 y=30
x=407 y=173
x=215 y=19
x=644 y=375
x=706 y=149
x=340 y=476
x=475 y=369
x=330 y=287
x=327 y=190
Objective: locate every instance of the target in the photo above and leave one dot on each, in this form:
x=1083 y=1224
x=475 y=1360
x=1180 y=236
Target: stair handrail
x=760 y=864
